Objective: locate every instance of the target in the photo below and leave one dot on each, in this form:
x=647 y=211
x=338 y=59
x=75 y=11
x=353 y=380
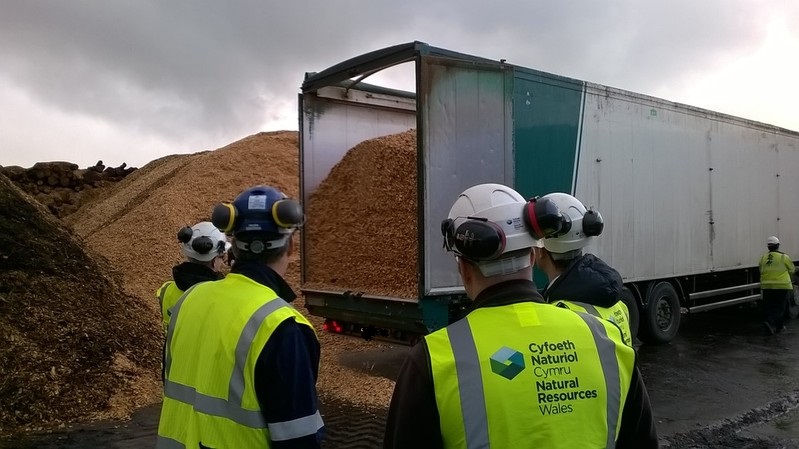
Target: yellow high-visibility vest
x=530 y=375
x=618 y=314
x=775 y=271
x=216 y=333
x=168 y=295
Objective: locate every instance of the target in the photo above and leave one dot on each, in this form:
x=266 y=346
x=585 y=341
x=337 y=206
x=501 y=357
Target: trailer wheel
x=661 y=318
x=628 y=298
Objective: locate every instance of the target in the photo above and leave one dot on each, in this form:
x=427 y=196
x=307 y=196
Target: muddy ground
x=720 y=384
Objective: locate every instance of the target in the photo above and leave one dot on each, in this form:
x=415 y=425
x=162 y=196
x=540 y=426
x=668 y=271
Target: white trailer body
x=688 y=195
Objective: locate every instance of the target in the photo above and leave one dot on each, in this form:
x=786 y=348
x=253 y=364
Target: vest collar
x=508 y=292
x=264 y=275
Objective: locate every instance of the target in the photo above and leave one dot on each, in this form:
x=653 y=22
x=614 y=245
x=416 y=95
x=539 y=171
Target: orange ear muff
x=224 y=217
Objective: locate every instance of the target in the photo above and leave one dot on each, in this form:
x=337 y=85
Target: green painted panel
x=546 y=118
x=546 y=126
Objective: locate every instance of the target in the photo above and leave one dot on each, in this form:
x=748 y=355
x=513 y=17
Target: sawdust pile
x=362 y=221
x=72 y=342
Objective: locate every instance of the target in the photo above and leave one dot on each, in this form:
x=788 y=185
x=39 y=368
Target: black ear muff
x=224 y=217
x=202 y=244
x=287 y=213
x=543 y=218
x=220 y=247
x=185 y=234
x=448 y=231
x=478 y=239
x=592 y=223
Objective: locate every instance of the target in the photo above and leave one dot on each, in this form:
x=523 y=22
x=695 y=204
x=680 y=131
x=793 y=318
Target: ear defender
x=592 y=223
x=544 y=219
x=224 y=217
x=287 y=213
x=202 y=244
x=185 y=234
x=475 y=239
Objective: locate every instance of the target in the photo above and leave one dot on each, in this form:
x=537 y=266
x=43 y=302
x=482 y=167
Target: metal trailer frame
x=481 y=120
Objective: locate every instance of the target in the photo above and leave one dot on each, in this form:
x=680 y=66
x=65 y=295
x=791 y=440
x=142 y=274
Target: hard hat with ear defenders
x=584 y=224
x=260 y=209
x=261 y=219
x=486 y=222
x=202 y=242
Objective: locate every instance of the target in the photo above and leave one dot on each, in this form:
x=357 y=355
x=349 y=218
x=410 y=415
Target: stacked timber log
x=62 y=186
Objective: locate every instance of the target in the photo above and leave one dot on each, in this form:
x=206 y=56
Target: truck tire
x=661 y=317
x=628 y=298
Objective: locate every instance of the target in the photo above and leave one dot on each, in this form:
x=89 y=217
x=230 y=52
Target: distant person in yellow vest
x=578 y=281
x=515 y=372
x=776 y=269
x=241 y=363
x=204 y=247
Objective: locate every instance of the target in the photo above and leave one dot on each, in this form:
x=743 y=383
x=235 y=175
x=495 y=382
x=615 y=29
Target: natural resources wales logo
x=507 y=362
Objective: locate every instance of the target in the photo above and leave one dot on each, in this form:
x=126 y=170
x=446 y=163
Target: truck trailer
x=688 y=195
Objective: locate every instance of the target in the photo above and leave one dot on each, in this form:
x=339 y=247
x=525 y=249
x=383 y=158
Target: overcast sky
x=134 y=80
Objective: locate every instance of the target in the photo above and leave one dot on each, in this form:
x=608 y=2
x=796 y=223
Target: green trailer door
x=547 y=113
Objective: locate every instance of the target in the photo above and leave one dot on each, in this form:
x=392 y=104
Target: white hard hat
x=585 y=224
x=773 y=240
x=486 y=222
x=202 y=241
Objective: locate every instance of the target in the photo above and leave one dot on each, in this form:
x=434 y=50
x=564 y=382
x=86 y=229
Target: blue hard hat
x=260 y=209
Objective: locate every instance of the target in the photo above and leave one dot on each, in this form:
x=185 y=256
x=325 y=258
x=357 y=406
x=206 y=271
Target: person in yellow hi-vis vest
x=776 y=285
x=204 y=247
x=515 y=372
x=577 y=281
x=241 y=364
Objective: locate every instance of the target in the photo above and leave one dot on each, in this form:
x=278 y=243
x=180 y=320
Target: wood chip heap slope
x=73 y=344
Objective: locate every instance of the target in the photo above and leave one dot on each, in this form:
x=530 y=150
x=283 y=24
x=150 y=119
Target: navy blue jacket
x=288 y=366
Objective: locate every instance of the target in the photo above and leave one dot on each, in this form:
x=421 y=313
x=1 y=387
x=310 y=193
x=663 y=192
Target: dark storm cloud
x=206 y=68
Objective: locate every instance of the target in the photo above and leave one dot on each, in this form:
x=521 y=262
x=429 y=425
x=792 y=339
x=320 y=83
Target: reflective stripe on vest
x=616 y=314
x=220 y=328
x=231 y=407
x=489 y=393
x=610 y=369
x=288 y=430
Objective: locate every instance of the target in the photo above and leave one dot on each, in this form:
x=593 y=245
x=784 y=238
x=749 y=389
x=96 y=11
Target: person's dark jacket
x=187 y=274
x=287 y=368
x=413 y=420
x=587 y=279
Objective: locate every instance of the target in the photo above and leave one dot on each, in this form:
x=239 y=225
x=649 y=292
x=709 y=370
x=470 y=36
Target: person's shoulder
x=163 y=287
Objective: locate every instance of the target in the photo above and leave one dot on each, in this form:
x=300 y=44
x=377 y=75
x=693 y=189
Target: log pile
x=62 y=186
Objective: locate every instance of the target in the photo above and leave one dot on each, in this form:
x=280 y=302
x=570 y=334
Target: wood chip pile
x=81 y=344
x=362 y=221
x=73 y=344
